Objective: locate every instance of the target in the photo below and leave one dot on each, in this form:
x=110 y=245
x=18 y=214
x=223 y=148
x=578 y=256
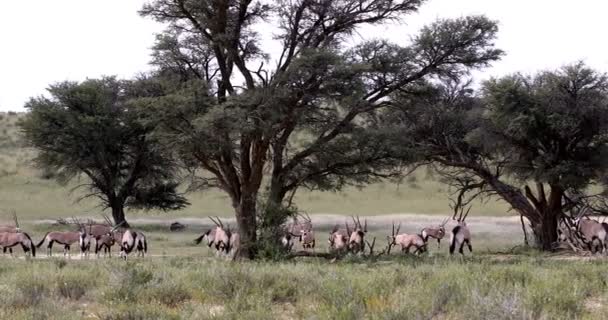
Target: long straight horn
x=398 y=228
x=347 y=228
x=466 y=214
x=220 y=221
x=393 y=229
x=365 y=226
x=354 y=221
x=107 y=220
x=118 y=226
x=214 y=222
x=15 y=219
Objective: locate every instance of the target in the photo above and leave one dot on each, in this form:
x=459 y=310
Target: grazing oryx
x=356 y=241
x=132 y=239
x=460 y=234
x=14 y=236
x=67 y=238
x=338 y=239
x=406 y=241
x=594 y=233
x=435 y=232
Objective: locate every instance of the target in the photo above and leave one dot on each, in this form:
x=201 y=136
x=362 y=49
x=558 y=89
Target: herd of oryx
x=350 y=239
x=103 y=235
x=347 y=239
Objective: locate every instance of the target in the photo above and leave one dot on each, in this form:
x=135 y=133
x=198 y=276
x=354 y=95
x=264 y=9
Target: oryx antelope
x=67 y=239
x=338 y=239
x=304 y=232
x=435 y=232
x=356 y=241
x=106 y=242
x=406 y=241
x=460 y=234
x=594 y=233
x=13 y=236
x=131 y=240
x=221 y=238
x=208 y=236
x=10 y=239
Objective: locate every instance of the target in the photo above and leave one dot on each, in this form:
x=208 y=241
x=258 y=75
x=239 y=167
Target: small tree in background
x=537 y=142
x=307 y=119
x=89 y=129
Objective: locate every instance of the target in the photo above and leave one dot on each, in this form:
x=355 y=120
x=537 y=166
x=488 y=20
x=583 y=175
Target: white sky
x=45 y=41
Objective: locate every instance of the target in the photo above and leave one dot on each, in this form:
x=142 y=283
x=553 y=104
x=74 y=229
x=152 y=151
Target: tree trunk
x=118 y=214
x=246 y=221
x=546 y=232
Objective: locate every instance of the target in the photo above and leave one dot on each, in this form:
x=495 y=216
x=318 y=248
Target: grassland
x=525 y=287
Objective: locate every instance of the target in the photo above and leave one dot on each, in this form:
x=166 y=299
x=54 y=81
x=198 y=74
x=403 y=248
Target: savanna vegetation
x=333 y=124
x=524 y=287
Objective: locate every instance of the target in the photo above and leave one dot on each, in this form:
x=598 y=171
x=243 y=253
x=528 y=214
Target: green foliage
x=551 y=127
x=89 y=129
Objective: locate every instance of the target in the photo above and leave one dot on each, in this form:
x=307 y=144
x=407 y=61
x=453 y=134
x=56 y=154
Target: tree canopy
x=307 y=118
x=545 y=132
x=89 y=129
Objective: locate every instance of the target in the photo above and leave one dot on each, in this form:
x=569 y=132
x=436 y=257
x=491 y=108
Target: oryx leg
x=469 y=245
x=49 y=248
x=461 y=247
x=438 y=243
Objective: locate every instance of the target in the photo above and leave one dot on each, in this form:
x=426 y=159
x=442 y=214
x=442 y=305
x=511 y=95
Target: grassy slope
x=23 y=189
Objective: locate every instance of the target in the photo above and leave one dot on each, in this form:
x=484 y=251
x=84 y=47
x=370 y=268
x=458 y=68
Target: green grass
x=397 y=288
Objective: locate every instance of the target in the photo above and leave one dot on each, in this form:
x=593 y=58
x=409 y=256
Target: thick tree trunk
x=118 y=214
x=246 y=221
x=546 y=232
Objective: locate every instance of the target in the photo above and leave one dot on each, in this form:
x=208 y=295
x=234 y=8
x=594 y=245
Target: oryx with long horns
x=460 y=234
x=405 y=241
x=67 y=239
x=356 y=241
x=12 y=237
x=435 y=232
x=338 y=238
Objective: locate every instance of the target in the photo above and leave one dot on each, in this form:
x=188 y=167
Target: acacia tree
x=533 y=141
x=88 y=129
x=304 y=118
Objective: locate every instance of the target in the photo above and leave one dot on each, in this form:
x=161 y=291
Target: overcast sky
x=43 y=41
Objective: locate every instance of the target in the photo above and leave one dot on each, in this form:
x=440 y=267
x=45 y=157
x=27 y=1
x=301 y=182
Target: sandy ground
x=409 y=222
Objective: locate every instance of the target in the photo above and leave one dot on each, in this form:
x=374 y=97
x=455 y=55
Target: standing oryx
x=356 y=241
x=435 y=232
x=338 y=239
x=131 y=240
x=67 y=239
x=460 y=234
x=12 y=236
x=304 y=232
x=218 y=236
x=406 y=241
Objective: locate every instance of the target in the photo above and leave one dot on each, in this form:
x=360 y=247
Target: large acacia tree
x=538 y=142
x=88 y=129
x=303 y=118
